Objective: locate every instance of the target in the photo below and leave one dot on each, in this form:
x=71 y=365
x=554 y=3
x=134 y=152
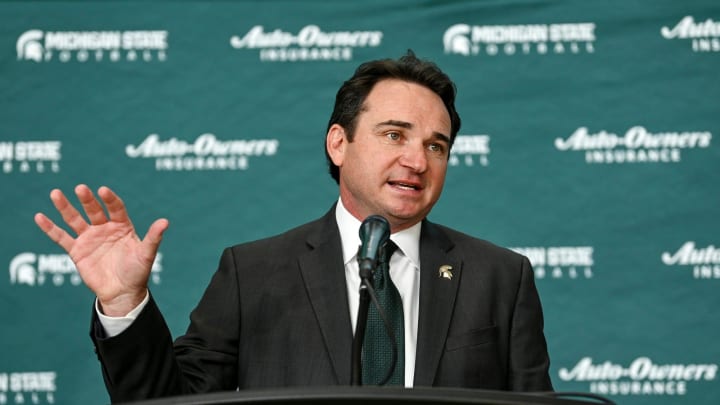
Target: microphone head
x=374 y=232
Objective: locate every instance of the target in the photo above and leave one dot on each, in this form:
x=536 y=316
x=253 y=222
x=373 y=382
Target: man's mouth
x=405 y=186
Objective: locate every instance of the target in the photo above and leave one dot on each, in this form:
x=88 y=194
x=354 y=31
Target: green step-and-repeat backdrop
x=589 y=144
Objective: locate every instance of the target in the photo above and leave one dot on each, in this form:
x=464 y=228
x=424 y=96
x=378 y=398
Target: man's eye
x=393 y=136
x=436 y=147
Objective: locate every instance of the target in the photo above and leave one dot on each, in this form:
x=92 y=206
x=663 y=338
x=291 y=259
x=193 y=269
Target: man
x=281 y=311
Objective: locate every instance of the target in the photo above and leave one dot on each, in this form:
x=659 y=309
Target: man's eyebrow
x=394 y=123
x=442 y=137
x=408 y=125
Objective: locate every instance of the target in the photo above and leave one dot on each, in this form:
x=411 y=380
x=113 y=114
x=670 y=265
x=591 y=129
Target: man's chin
x=404 y=219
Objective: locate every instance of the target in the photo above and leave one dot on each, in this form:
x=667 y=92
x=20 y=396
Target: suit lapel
x=324 y=276
x=437 y=300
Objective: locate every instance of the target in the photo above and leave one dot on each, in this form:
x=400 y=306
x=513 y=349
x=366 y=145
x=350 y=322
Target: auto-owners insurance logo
x=637 y=145
x=84 y=46
x=310 y=43
x=705 y=261
x=704 y=36
x=206 y=152
x=641 y=376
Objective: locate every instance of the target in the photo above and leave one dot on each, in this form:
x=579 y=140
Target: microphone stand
x=366 y=284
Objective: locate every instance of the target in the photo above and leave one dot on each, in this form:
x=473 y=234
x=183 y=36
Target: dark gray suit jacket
x=276 y=314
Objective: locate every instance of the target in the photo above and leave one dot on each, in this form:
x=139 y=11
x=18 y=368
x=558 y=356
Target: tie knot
x=383 y=270
x=387 y=250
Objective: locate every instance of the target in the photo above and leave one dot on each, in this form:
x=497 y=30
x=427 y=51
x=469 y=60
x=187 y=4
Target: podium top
x=379 y=395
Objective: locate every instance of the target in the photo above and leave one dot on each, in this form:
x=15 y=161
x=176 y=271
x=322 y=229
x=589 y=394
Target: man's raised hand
x=110 y=257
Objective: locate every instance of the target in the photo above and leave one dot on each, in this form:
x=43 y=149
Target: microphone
x=374 y=232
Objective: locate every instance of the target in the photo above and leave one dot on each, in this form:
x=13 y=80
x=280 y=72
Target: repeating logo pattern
x=566 y=54
x=32 y=387
x=704 y=36
x=560 y=262
x=85 y=46
x=704 y=261
x=310 y=43
x=470 y=150
x=541 y=39
x=38 y=269
x=641 y=376
x=30 y=156
x=206 y=152
x=636 y=145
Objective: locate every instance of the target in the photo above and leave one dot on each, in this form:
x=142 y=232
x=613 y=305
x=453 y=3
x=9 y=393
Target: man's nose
x=414 y=157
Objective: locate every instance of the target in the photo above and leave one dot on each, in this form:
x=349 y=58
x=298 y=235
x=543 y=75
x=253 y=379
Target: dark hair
x=352 y=94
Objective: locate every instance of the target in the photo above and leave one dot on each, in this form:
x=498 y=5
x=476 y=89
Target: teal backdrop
x=589 y=144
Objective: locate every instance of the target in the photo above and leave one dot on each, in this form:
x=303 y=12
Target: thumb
x=155 y=233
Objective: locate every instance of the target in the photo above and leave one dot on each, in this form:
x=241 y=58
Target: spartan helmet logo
x=456 y=39
x=22 y=269
x=29 y=46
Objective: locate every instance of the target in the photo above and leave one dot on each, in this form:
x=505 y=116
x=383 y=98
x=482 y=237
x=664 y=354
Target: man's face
x=396 y=164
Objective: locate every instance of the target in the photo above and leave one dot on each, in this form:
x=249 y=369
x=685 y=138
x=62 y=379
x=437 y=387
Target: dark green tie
x=377 y=347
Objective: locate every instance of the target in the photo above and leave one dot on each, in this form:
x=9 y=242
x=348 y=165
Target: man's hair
x=352 y=94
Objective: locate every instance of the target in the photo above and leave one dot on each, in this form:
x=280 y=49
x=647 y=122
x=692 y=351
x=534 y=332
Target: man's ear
x=335 y=142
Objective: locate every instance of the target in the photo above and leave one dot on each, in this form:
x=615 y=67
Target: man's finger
x=70 y=215
x=155 y=232
x=54 y=232
x=92 y=207
x=115 y=205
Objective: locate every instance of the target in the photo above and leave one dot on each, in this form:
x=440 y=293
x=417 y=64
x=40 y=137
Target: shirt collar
x=408 y=240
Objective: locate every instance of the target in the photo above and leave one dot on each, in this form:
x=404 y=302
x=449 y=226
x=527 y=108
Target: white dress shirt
x=404 y=272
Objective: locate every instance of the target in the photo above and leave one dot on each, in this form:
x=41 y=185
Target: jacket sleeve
x=142 y=362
